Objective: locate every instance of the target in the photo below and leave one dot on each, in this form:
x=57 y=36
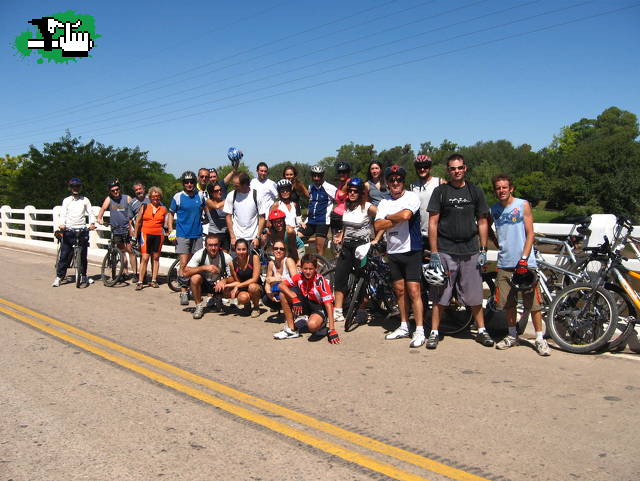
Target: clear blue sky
x=264 y=75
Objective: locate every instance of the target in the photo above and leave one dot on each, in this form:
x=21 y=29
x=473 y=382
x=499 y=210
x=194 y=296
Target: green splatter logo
x=59 y=38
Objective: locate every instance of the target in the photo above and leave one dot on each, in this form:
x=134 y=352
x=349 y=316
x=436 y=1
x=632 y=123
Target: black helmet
x=113 y=183
x=523 y=279
x=395 y=170
x=188 y=175
x=343 y=167
x=283 y=184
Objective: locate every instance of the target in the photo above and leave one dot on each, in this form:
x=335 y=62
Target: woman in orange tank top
x=150 y=225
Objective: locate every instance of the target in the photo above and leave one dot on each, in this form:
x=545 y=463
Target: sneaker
x=319 y=334
x=417 y=340
x=199 y=312
x=542 y=347
x=286 y=333
x=255 y=313
x=397 y=334
x=154 y=284
x=338 y=316
x=184 y=298
x=507 y=342
x=216 y=303
x=433 y=340
x=138 y=286
x=86 y=280
x=485 y=339
x=56 y=282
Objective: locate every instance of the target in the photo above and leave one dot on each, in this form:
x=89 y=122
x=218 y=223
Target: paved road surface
x=105 y=384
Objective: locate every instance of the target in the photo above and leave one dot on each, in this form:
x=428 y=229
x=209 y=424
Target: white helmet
x=435 y=277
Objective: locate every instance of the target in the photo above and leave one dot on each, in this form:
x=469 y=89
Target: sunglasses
x=204 y=176
x=317 y=175
x=115 y=189
x=188 y=182
x=423 y=165
x=453 y=169
x=353 y=191
x=278 y=248
x=217 y=190
x=396 y=180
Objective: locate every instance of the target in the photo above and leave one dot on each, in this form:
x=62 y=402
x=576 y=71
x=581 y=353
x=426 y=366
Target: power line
x=379 y=69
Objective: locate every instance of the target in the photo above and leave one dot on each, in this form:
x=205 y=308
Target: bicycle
x=584 y=316
x=112 y=267
x=76 y=258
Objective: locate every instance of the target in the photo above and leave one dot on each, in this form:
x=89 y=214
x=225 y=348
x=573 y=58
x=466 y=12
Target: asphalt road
x=108 y=383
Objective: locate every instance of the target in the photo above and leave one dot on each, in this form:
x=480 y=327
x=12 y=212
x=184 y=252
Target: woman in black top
x=247 y=267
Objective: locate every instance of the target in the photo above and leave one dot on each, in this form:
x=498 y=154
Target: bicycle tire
x=456 y=317
x=352 y=309
x=593 y=329
x=77 y=254
x=112 y=267
x=327 y=268
x=627 y=314
x=172 y=276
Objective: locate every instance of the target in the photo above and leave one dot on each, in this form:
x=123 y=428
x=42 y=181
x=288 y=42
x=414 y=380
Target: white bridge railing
x=33 y=229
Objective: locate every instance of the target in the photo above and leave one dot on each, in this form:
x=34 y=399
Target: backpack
x=223 y=262
x=255 y=200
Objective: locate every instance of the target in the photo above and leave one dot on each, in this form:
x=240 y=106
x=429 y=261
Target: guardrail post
x=5 y=216
x=29 y=215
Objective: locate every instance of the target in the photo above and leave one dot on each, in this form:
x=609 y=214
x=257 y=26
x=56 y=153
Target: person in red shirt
x=308 y=296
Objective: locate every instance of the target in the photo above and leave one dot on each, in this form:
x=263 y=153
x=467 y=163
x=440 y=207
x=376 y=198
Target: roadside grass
x=543 y=215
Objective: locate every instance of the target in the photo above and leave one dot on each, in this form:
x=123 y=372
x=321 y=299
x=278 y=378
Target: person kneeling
x=209 y=272
x=308 y=296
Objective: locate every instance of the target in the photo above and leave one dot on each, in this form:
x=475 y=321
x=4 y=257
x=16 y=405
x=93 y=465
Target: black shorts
x=336 y=222
x=310 y=307
x=407 y=266
x=121 y=238
x=320 y=230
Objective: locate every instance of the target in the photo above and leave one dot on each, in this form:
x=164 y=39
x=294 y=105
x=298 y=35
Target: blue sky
x=294 y=80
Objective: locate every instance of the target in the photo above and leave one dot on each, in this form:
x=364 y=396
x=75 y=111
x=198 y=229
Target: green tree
x=10 y=167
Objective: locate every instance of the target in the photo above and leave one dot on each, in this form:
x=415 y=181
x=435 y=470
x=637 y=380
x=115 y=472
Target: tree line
x=591 y=166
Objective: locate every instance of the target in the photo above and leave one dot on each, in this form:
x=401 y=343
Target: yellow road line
x=329 y=447
x=344 y=434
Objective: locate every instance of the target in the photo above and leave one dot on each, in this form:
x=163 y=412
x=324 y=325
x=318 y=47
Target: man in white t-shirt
x=265 y=187
x=245 y=214
x=209 y=271
x=399 y=217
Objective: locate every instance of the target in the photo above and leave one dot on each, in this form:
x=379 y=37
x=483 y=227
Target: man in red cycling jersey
x=307 y=295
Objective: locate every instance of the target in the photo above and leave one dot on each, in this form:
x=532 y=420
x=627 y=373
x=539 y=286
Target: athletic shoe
x=86 y=280
x=542 y=347
x=433 y=340
x=319 y=334
x=397 y=334
x=56 y=282
x=216 y=303
x=138 y=286
x=184 y=298
x=199 y=312
x=154 y=284
x=338 y=316
x=255 y=313
x=286 y=333
x=417 y=340
x=507 y=342
x=485 y=339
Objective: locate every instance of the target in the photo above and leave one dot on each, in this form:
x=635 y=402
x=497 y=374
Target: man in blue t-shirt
x=187 y=206
x=514 y=224
x=321 y=197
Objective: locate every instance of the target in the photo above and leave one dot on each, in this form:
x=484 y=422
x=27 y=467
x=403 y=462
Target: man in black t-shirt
x=457 y=221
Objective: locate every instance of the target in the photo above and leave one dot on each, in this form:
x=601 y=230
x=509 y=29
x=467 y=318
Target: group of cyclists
x=220 y=233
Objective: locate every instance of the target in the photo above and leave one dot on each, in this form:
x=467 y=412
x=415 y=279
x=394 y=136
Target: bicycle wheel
x=582 y=318
x=77 y=255
x=112 y=267
x=627 y=315
x=352 y=308
x=327 y=267
x=172 y=276
x=456 y=317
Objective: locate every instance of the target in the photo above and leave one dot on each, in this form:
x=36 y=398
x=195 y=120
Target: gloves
x=296 y=306
x=333 y=337
x=435 y=263
x=482 y=258
x=522 y=266
x=172 y=235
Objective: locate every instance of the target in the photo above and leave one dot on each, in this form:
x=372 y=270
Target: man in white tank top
x=424 y=187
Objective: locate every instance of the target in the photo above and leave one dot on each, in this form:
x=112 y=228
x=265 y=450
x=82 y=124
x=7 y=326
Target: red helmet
x=276 y=214
x=421 y=158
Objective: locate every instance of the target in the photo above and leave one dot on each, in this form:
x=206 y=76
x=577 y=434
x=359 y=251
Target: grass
x=543 y=215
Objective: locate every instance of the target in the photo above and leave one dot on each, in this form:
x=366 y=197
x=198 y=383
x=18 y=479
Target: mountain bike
x=584 y=316
x=76 y=258
x=112 y=263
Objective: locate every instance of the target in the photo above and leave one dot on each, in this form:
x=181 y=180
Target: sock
x=435 y=332
x=513 y=331
x=404 y=326
x=420 y=329
x=337 y=310
x=539 y=336
x=481 y=330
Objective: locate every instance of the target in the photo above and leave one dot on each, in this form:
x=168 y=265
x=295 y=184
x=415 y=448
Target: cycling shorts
x=309 y=307
x=150 y=244
x=407 y=266
x=319 y=230
x=121 y=238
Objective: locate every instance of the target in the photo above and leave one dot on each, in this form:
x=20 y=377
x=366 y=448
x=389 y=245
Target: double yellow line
x=18 y=312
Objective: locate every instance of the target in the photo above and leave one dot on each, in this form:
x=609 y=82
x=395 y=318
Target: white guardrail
x=33 y=229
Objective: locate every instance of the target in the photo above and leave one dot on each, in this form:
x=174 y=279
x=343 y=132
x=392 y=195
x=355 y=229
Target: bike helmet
x=75 y=181
x=421 y=159
x=317 y=169
x=435 y=277
x=395 y=170
x=113 y=183
x=188 y=175
x=283 y=184
x=235 y=155
x=357 y=183
x=523 y=279
x=276 y=214
x=343 y=167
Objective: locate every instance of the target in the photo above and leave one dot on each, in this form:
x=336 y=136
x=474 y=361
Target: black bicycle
x=76 y=257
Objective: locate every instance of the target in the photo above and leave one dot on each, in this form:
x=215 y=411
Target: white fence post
x=29 y=215
x=5 y=216
x=93 y=234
